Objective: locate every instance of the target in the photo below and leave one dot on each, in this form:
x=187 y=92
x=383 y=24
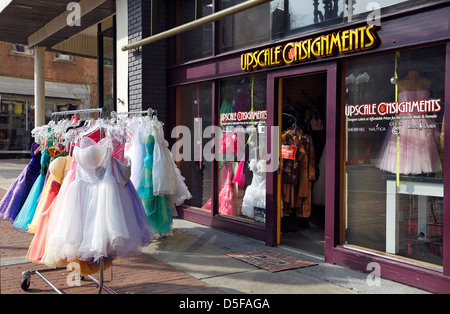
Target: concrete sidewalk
x=194 y=261
x=202 y=252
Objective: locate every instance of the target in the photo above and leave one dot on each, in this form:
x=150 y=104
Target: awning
x=20 y=86
x=44 y=23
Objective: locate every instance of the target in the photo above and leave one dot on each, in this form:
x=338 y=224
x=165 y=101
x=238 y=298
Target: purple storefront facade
x=399 y=220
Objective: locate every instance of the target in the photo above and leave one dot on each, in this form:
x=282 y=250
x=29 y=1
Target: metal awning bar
x=194 y=24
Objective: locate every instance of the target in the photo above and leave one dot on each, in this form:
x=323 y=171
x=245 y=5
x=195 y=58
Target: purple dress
x=18 y=192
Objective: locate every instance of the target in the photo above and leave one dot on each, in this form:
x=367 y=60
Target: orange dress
x=57 y=168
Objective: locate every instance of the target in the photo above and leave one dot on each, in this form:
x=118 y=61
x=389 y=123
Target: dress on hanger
x=93 y=223
x=18 y=192
x=419 y=147
x=138 y=225
x=136 y=150
x=255 y=194
x=49 y=258
x=157 y=207
x=58 y=169
x=163 y=170
x=28 y=209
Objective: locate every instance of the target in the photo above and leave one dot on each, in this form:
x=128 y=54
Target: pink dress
x=228 y=144
x=227 y=200
x=419 y=142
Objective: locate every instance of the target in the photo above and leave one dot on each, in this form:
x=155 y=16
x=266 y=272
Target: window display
x=194 y=111
x=394 y=153
x=242 y=148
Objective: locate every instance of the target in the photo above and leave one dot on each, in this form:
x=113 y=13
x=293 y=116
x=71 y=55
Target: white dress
x=255 y=194
x=136 y=150
x=96 y=220
x=167 y=178
x=163 y=171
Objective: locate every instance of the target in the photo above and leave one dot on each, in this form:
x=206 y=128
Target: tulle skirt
x=41 y=252
x=53 y=214
x=255 y=196
x=157 y=208
x=419 y=151
x=94 y=223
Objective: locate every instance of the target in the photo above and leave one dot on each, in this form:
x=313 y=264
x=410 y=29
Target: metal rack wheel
x=25 y=284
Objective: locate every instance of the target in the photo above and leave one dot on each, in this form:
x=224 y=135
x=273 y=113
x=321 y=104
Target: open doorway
x=302 y=186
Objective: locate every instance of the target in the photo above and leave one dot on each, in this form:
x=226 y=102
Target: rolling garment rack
x=150 y=112
x=25 y=284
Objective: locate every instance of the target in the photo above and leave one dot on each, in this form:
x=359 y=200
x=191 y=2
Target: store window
x=363 y=9
x=241 y=155
x=394 y=167
x=193 y=116
x=15 y=125
x=196 y=43
x=284 y=18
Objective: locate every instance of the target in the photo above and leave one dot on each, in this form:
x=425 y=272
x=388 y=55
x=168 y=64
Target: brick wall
x=81 y=71
x=147 y=69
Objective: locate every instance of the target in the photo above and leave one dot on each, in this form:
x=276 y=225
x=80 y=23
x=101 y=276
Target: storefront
x=17 y=111
x=328 y=130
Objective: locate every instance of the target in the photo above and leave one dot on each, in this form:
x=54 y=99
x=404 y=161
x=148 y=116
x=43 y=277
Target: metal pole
x=194 y=24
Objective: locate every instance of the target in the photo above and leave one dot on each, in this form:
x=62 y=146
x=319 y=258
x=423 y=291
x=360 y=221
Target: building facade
x=318 y=125
x=71 y=82
x=330 y=124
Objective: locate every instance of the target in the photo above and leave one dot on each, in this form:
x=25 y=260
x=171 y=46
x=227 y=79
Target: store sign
x=391 y=108
x=242 y=116
x=351 y=40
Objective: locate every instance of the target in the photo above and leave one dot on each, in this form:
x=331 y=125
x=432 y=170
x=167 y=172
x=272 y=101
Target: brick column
x=147 y=67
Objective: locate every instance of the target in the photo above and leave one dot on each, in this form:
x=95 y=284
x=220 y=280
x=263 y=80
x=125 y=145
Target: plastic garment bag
x=163 y=172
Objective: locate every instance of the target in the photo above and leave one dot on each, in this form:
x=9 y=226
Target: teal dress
x=157 y=208
x=28 y=209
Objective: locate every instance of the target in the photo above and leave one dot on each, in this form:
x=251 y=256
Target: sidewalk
x=192 y=261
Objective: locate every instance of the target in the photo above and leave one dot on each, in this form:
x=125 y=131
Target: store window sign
x=232 y=117
x=346 y=41
x=392 y=108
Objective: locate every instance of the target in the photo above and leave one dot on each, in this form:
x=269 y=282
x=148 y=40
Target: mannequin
x=413 y=82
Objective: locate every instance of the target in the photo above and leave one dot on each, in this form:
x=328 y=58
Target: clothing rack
x=25 y=284
x=150 y=112
x=80 y=111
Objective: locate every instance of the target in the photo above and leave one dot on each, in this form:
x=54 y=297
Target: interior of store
x=303 y=126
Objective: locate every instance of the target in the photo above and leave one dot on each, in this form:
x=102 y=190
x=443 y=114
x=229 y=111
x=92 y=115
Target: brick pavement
x=139 y=275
